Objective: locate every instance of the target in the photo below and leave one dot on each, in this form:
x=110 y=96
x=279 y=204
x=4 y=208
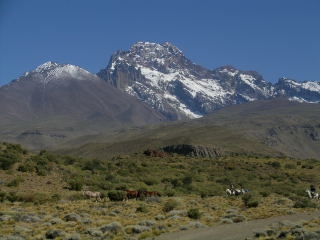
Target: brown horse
x=131 y=194
x=148 y=194
x=152 y=194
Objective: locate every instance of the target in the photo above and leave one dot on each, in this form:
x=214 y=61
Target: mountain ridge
x=161 y=76
x=150 y=83
x=56 y=102
x=268 y=128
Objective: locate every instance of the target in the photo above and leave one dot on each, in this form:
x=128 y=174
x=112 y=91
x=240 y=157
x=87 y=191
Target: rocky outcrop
x=193 y=150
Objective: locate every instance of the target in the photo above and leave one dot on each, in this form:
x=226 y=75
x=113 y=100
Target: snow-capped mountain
x=49 y=71
x=56 y=102
x=308 y=91
x=160 y=75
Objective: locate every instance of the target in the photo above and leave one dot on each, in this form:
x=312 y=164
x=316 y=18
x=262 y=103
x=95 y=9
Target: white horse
x=90 y=194
x=229 y=192
x=312 y=195
x=236 y=192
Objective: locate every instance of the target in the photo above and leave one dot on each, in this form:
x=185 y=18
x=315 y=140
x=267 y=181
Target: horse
x=313 y=195
x=229 y=192
x=90 y=194
x=152 y=194
x=236 y=192
x=142 y=194
x=131 y=194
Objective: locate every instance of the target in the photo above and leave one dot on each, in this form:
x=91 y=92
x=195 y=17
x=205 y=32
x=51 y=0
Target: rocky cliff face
x=160 y=75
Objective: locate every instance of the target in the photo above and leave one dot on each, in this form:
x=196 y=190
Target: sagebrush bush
x=303 y=203
x=12 y=197
x=275 y=164
x=142 y=208
x=250 y=200
x=194 y=213
x=170 y=205
x=170 y=193
x=151 y=181
x=8 y=159
x=15 y=182
x=75 y=184
x=26 y=167
x=116 y=195
x=3 y=196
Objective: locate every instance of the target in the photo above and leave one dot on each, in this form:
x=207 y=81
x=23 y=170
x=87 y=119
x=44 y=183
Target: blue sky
x=274 y=37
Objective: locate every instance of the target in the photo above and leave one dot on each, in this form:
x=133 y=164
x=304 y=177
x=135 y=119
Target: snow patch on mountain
x=232 y=72
x=54 y=71
x=311 y=86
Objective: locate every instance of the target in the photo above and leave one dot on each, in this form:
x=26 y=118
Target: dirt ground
x=236 y=231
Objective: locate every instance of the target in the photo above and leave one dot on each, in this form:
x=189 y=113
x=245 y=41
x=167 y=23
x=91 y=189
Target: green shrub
x=7 y=159
x=194 y=213
x=42 y=164
x=170 y=193
x=15 y=182
x=204 y=194
x=304 y=203
x=16 y=148
x=93 y=165
x=26 y=167
x=68 y=160
x=42 y=171
x=3 y=196
x=275 y=164
x=170 y=205
x=75 y=184
x=12 y=197
x=250 y=200
x=142 y=208
x=187 y=180
x=116 y=195
x=264 y=194
x=151 y=181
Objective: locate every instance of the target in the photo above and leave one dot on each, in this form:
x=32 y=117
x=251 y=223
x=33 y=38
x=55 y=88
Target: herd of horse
x=236 y=192
x=142 y=194
x=128 y=194
x=134 y=194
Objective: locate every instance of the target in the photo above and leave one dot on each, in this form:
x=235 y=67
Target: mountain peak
x=156 y=47
x=49 y=71
x=46 y=66
x=153 y=51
